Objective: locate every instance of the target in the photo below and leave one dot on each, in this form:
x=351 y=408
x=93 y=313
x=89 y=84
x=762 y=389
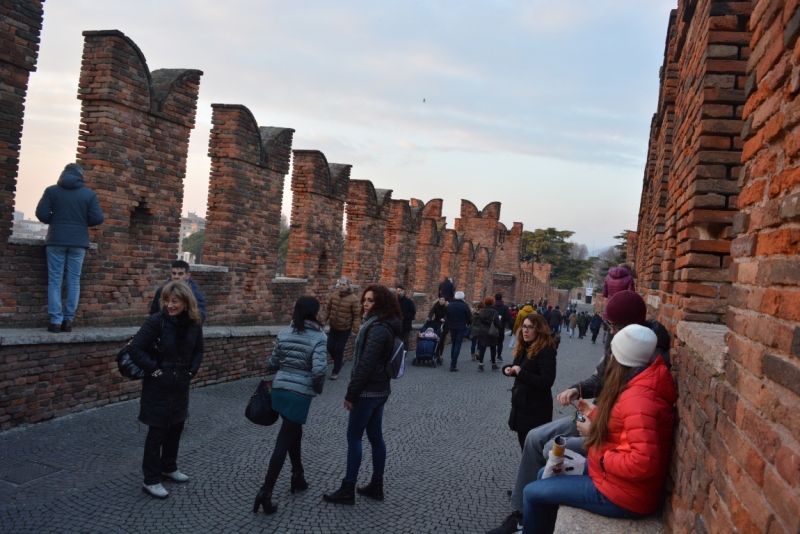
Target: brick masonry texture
x=718 y=242
x=133 y=144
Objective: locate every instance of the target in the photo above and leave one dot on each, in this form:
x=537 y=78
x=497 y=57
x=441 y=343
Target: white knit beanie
x=633 y=346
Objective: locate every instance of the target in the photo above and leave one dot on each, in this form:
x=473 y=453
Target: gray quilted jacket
x=301 y=360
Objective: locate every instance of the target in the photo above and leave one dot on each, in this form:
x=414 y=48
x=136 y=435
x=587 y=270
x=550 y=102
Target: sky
x=543 y=106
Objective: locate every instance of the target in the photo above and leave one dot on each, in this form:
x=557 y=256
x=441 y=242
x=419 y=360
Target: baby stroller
x=427 y=345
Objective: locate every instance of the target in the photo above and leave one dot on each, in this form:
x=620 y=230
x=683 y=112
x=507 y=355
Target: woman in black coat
x=487 y=317
x=436 y=315
x=534 y=369
x=169 y=347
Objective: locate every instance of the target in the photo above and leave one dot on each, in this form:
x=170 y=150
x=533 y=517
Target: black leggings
x=482 y=352
x=289 y=438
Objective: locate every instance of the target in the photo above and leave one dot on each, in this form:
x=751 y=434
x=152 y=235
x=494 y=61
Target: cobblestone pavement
x=451 y=459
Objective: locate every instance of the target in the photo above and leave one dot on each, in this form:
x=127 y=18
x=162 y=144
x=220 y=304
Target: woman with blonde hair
x=169 y=348
x=534 y=369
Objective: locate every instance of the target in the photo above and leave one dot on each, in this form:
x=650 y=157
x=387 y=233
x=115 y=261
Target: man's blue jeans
x=457 y=337
x=59 y=257
x=542 y=497
x=367 y=414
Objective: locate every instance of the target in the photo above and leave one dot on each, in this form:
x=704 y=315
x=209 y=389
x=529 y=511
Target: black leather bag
x=125 y=364
x=259 y=409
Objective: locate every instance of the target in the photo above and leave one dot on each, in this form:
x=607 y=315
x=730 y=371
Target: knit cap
x=626 y=307
x=634 y=345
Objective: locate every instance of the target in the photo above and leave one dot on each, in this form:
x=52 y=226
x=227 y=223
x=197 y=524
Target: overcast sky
x=544 y=106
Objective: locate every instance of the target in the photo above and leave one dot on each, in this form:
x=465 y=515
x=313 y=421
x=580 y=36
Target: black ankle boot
x=264 y=499
x=346 y=494
x=298 y=481
x=374 y=490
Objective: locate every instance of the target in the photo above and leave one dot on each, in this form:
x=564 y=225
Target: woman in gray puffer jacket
x=300 y=357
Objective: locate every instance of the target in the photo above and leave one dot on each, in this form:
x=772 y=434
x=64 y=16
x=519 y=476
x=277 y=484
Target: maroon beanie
x=626 y=307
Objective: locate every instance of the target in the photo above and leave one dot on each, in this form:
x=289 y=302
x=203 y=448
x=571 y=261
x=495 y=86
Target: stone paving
x=451 y=459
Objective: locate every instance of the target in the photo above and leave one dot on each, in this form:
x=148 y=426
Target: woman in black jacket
x=368 y=390
x=169 y=347
x=534 y=369
x=436 y=315
x=488 y=317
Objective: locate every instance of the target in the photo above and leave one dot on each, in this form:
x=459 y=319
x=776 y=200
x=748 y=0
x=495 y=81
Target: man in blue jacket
x=457 y=318
x=70 y=209
x=180 y=273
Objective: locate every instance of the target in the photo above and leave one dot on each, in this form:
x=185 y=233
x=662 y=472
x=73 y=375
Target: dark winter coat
x=343 y=312
x=70 y=209
x=437 y=312
x=447 y=290
x=618 y=279
x=458 y=315
x=596 y=323
x=165 y=398
x=555 y=318
x=409 y=311
x=531 y=396
x=583 y=321
x=505 y=315
x=486 y=318
x=155 y=306
x=370 y=375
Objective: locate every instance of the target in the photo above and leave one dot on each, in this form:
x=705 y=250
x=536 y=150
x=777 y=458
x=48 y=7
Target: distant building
x=28 y=229
x=190 y=224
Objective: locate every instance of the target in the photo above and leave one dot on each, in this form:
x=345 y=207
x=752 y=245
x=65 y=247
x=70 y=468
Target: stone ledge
x=577 y=521
x=202 y=268
x=38 y=242
x=707 y=341
x=30 y=336
x=286 y=280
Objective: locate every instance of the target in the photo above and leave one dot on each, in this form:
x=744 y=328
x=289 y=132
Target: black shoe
x=499 y=358
x=264 y=500
x=454 y=369
x=54 y=328
x=298 y=482
x=511 y=525
x=66 y=326
x=495 y=367
x=346 y=494
x=374 y=490
x=480 y=368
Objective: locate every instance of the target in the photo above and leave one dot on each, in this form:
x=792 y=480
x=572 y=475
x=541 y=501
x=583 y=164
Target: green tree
x=194 y=244
x=549 y=245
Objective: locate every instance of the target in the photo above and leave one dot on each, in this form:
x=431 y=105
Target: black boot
x=374 y=490
x=298 y=481
x=346 y=494
x=264 y=499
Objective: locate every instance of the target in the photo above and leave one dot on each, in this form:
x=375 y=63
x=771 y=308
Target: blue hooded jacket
x=70 y=209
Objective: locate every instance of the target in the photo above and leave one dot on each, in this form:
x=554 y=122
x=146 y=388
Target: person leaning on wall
x=69 y=208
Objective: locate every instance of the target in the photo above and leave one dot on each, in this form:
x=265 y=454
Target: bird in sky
x=423 y=100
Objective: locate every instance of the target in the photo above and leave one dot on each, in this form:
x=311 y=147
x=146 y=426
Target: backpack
x=396 y=364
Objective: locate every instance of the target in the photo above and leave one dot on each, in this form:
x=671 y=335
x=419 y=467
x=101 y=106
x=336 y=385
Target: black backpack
x=396 y=364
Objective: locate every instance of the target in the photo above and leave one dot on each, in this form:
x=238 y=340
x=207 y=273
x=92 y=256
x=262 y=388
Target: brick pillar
x=428 y=261
x=367 y=214
x=400 y=250
x=319 y=192
x=248 y=168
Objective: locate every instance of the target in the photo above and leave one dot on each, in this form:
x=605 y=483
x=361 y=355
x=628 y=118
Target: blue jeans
x=457 y=337
x=337 y=340
x=542 y=497
x=367 y=414
x=57 y=258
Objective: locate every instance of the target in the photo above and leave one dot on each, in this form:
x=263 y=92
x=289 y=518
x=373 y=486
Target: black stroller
x=427 y=348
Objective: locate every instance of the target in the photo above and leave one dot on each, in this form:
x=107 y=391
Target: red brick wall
x=367 y=214
x=400 y=251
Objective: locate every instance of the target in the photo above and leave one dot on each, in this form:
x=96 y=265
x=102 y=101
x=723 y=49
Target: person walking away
x=573 y=323
x=409 y=311
x=624 y=309
x=368 y=391
x=526 y=309
x=474 y=329
x=628 y=439
x=534 y=372
x=164 y=405
x=179 y=272
x=457 y=320
x=436 y=315
x=594 y=326
x=583 y=322
x=69 y=208
x=300 y=360
x=505 y=320
x=447 y=289
x=487 y=318
x=618 y=279
x=555 y=319
x=343 y=314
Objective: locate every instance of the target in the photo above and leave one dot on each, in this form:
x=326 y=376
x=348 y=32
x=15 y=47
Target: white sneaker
x=176 y=476
x=156 y=490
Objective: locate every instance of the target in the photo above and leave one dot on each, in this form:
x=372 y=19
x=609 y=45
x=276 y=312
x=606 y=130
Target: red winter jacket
x=618 y=279
x=636 y=453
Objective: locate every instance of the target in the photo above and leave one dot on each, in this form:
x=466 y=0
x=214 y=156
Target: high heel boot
x=346 y=494
x=264 y=499
x=298 y=481
x=373 y=490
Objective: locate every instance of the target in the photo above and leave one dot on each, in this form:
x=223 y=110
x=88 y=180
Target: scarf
x=361 y=338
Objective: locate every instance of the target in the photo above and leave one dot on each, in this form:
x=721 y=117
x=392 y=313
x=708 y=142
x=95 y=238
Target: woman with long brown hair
x=534 y=369
x=629 y=441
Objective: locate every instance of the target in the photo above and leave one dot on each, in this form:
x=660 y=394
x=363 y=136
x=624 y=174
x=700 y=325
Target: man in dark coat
x=505 y=320
x=447 y=289
x=409 y=312
x=554 y=319
x=180 y=273
x=457 y=318
x=70 y=209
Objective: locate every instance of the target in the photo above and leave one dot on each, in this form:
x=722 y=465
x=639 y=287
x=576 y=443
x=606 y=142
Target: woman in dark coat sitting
x=534 y=369
x=368 y=391
x=178 y=334
x=300 y=359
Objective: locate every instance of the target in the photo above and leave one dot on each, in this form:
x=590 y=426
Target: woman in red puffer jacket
x=629 y=440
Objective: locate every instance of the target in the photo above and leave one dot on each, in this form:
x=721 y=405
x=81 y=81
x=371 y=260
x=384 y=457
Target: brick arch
x=469 y=210
x=491 y=211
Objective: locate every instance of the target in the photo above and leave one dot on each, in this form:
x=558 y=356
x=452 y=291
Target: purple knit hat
x=626 y=307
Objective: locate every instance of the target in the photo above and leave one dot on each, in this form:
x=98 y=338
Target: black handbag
x=259 y=409
x=125 y=364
